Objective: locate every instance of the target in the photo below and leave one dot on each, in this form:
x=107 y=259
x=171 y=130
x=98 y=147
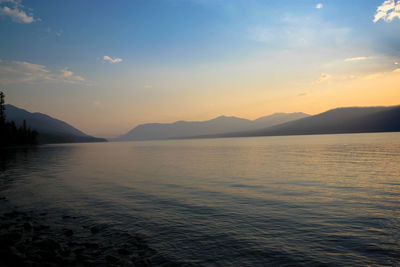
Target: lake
x=292 y=200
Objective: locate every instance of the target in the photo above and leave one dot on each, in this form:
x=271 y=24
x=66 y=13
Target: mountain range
x=335 y=121
x=219 y=125
x=50 y=130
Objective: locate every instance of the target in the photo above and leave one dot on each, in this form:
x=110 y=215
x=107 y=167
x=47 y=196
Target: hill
x=219 y=125
x=340 y=120
x=50 y=130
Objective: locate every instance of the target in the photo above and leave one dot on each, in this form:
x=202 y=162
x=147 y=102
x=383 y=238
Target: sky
x=107 y=66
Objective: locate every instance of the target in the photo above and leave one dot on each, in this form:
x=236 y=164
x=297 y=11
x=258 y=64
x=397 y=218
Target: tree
x=10 y=135
x=2 y=109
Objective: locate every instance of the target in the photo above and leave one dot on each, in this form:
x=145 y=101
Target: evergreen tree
x=2 y=109
x=10 y=135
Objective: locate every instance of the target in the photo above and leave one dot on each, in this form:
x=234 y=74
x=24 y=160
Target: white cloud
x=387 y=11
x=25 y=72
x=15 y=11
x=16 y=15
x=112 y=60
x=319 y=6
x=22 y=72
x=355 y=59
x=324 y=77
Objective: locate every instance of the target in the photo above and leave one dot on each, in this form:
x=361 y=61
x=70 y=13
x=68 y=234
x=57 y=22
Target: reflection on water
x=332 y=199
x=11 y=158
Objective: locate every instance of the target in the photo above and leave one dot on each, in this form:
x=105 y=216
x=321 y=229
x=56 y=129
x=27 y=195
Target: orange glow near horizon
x=236 y=58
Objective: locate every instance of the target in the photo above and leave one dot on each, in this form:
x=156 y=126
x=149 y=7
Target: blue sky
x=120 y=63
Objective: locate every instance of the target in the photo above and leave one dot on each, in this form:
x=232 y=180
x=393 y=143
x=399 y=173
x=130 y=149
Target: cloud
x=147 y=86
x=319 y=6
x=78 y=78
x=300 y=33
x=96 y=102
x=380 y=74
x=387 y=11
x=25 y=72
x=66 y=73
x=355 y=59
x=22 y=72
x=396 y=63
x=324 y=77
x=8 y=1
x=58 y=33
x=112 y=60
x=15 y=12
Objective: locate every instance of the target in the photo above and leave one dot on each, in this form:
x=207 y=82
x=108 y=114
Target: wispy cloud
x=387 y=11
x=112 y=60
x=58 y=33
x=25 y=72
x=379 y=74
x=300 y=32
x=96 y=102
x=323 y=78
x=319 y=6
x=66 y=73
x=350 y=59
x=14 y=10
x=147 y=86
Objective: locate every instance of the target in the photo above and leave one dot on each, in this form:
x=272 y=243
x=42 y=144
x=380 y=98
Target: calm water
x=329 y=199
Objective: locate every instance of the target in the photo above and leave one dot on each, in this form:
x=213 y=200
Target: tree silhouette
x=10 y=134
x=2 y=109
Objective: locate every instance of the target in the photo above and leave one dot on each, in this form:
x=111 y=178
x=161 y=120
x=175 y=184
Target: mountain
x=50 y=130
x=277 y=118
x=340 y=120
x=219 y=125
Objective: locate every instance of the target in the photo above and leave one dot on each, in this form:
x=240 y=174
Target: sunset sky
x=107 y=66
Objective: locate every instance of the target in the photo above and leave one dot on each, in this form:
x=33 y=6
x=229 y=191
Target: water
x=296 y=200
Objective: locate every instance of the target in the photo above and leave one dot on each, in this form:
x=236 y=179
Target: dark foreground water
x=300 y=200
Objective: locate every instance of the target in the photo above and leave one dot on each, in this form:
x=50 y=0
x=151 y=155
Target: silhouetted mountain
x=50 y=130
x=340 y=120
x=277 y=118
x=219 y=125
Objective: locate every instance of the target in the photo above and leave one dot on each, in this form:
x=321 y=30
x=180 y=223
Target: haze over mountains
x=335 y=121
x=219 y=125
x=50 y=130
x=340 y=120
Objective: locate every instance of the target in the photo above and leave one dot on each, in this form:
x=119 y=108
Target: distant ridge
x=50 y=130
x=219 y=125
x=335 y=121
